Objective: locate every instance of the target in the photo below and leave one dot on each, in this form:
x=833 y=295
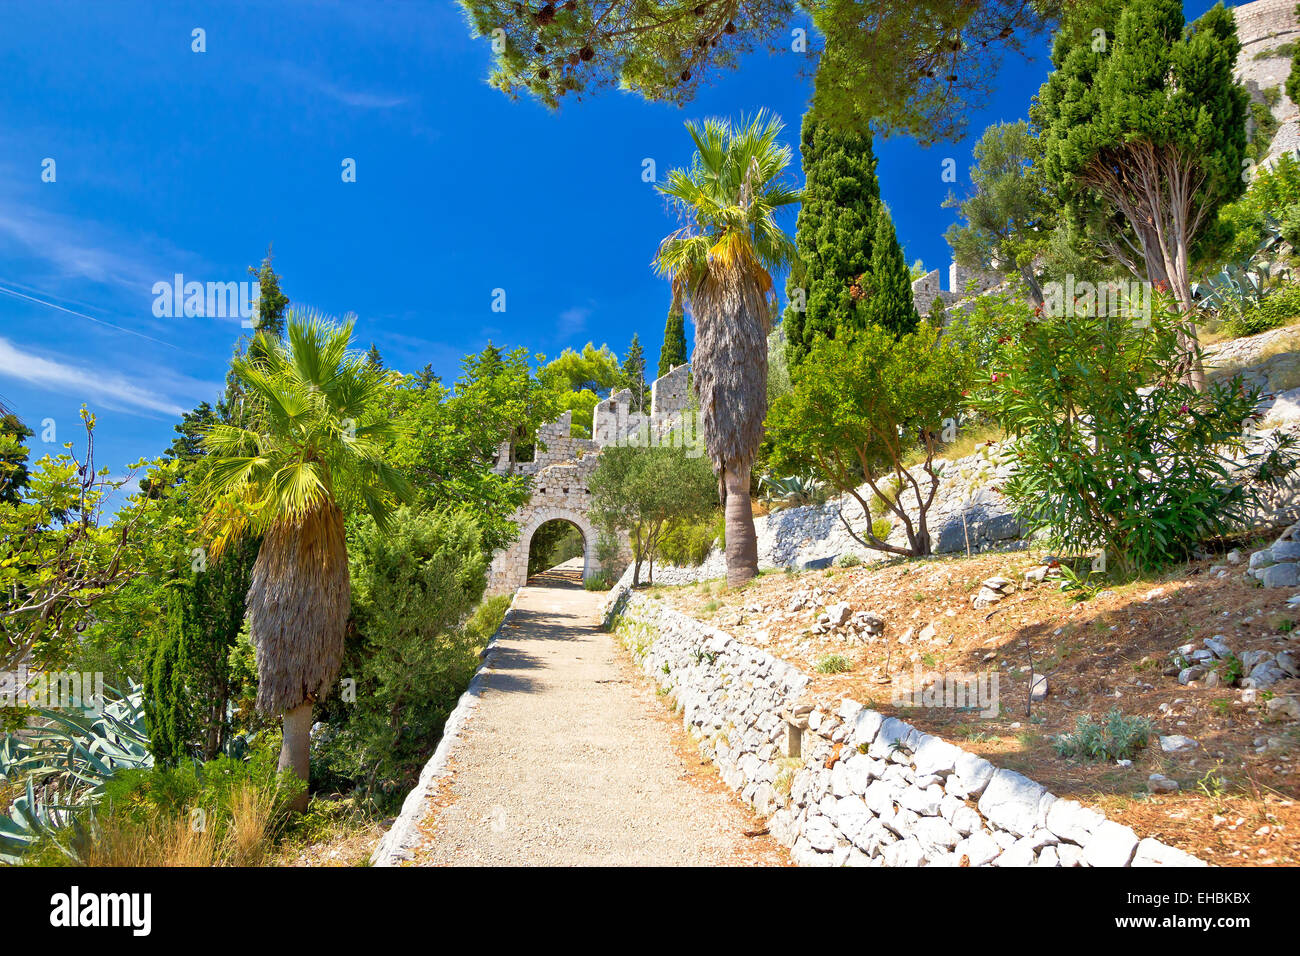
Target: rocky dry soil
x=1220 y=777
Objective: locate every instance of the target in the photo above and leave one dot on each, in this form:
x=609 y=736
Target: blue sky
x=170 y=161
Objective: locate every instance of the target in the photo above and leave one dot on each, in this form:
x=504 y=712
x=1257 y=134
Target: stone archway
x=509 y=568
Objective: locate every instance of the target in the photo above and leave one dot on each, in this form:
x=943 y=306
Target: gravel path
x=570 y=759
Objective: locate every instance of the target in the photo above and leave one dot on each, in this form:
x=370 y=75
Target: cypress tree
x=165 y=699
x=634 y=373
x=835 y=232
x=673 y=352
x=187 y=683
x=271 y=302
x=885 y=293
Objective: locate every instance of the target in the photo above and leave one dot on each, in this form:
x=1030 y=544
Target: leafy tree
x=856 y=402
x=643 y=490
x=1114 y=450
x=634 y=374
x=885 y=293
x=60 y=562
x=938 y=315
x=673 y=353
x=1009 y=214
x=1144 y=132
x=593 y=369
x=187 y=447
x=913 y=69
x=721 y=263
x=580 y=380
x=453 y=436
x=834 y=234
x=918 y=70
x=313 y=451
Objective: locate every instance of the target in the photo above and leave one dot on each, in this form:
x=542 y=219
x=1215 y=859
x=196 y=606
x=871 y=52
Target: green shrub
x=1117 y=738
x=834 y=664
x=1241 y=226
x=849 y=560
x=485 y=620
x=1148 y=476
x=211 y=787
x=688 y=543
x=412 y=652
x=881 y=528
x=598 y=582
x=881 y=503
x=1273 y=311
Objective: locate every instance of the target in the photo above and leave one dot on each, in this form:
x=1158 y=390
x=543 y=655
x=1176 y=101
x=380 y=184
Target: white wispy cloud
x=573 y=320
x=361 y=99
x=80 y=382
x=62 y=244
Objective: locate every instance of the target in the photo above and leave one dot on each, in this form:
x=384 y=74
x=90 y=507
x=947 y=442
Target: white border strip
x=395 y=847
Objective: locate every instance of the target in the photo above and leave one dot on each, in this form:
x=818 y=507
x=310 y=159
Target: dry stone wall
x=843 y=785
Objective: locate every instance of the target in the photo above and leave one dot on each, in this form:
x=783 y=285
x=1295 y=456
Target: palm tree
x=720 y=263
x=310 y=452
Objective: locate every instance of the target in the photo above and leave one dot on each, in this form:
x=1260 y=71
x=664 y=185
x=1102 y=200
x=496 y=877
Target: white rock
x=923 y=802
x=935 y=834
x=1176 y=743
x=1038 y=687
x=1154 y=853
x=980 y=849
x=1110 y=845
x=906 y=852
x=966 y=821
x=970 y=776
x=935 y=756
x=819 y=833
x=1071 y=820
x=1011 y=801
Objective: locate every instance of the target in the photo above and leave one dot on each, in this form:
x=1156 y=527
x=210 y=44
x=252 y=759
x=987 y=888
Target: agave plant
x=796 y=491
x=31 y=821
x=1239 y=286
x=64 y=764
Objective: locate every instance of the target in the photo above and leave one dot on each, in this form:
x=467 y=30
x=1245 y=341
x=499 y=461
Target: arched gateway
x=564 y=464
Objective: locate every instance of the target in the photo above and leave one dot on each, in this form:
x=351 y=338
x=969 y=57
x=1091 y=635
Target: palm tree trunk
x=742 y=539
x=294 y=752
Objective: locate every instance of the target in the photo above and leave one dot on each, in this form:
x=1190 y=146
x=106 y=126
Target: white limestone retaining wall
x=892 y=795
